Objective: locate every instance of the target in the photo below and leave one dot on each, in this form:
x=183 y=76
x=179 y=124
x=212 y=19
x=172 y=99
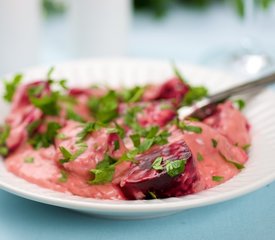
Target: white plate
x=259 y=171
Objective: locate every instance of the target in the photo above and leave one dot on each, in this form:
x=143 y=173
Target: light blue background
x=185 y=38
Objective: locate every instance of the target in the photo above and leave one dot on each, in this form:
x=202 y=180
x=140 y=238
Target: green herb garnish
x=194 y=94
x=104 y=171
x=50 y=72
x=29 y=160
x=236 y=164
x=87 y=129
x=4 y=134
x=200 y=157
x=68 y=156
x=10 y=87
x=135 y=139
x=48 y=104
x=240 y=103
x=217 y=178
x=178 y=73
x=116 y=145
x=246 y=147
x=74 y=116
x=175 y=167
x=104 y=109
x=190 y=128
x=157 y=163
x=152 y=194
x=214 y=142
x=64 y=176
x=117 y=129
x=133 y=94
x=38 y=140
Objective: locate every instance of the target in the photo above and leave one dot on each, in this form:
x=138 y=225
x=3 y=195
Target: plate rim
x=132 y=206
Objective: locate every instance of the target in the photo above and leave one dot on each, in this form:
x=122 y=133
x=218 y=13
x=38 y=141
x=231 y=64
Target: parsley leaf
x=104 y=171
x=217 y=178
x=194 y=94
x=157 y=163
x=117 y=129
x=133 y=94
x=240 y=103
x=29 y=160
x=68 y=156
x=116 y=145
x=4 y=134
x=246 y=147
x=50 y=72
x=153 y=195
x=130 y=117
x=190 y=128
x=64 y=176
x=87 y=129
x=104 y=109
x=178 y=73
x=47 y=104
x=38 y=140
x=200 y=157
x=10 y=87
x=74 y=116
x=175 y=167
x=236 y=164
x=214 y=142
x=135 y=139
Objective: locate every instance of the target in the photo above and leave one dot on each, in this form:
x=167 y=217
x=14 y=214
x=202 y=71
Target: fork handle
x=260 y=82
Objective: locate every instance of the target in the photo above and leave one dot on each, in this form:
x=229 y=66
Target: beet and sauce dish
x=120 y=143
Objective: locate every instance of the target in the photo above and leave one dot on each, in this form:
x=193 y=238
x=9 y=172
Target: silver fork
x=206 y=106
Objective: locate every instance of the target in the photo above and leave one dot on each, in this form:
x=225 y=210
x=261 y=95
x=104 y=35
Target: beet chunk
x=143 y=179
x=173 y=89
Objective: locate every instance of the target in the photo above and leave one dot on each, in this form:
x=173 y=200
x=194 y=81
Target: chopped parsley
x=130 y=117
x=157 y=163
x=4 y=134
x=246 y=147
x=214 y=142
x=104 y=171
x=50 y=72
x=38 y=140
x=68 y=156
x=135 y=139
x=117 y=129
x=116 y=145
x=178 y=73
x=189 y=128
x=200 y=157
x=104 y=109
x=151 y=136
x=175 y=167
x=239 y=103
x=236 y=164
x=48 y=104
x=217 y=178
x=194 y=94
x=64 y=176
x=153 y=195
x=74 y=116
x=29 y=160
x=133 y=94
x=10 y=87
x=88 y=128
x=172 y=167
x=32 y=127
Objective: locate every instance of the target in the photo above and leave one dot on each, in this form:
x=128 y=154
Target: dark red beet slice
x=142 y=178
x=172 y=89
